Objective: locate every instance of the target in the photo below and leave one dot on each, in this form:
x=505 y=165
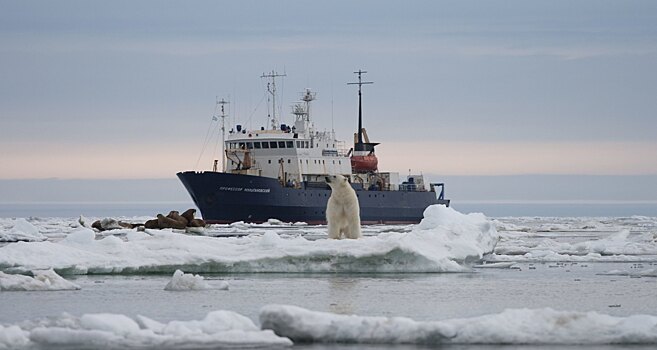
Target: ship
x=279 y=172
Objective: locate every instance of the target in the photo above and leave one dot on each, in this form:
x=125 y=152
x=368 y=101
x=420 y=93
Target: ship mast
x=271 y=88
x=360 y=83
x=223 y=133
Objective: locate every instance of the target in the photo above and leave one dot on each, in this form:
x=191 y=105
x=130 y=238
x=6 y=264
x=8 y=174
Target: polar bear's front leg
x=333 y=230
x=353 y=230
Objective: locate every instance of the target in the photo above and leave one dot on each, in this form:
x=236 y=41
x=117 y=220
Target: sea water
x=490 y=208
x=422 y=297
x=557 y=263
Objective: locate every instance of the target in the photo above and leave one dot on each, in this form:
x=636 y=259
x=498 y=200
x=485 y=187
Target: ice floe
x=43 y=280
x=516 y=326
x=445 y=241
x=219 y=329
x=187 y=281
x=22 y=230
x=622 y=245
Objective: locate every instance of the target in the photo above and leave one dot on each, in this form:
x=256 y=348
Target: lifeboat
x=364 y=164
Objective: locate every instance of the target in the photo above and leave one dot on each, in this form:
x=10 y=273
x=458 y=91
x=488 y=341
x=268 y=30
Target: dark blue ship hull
x=226 y=198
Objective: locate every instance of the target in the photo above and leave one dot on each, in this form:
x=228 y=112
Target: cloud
x=164 y=159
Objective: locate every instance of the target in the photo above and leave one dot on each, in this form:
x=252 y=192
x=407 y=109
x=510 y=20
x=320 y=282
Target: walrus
x=152 y=224
x=196 y=223
x=167 y=222
x=189 y=215
x=107 y=224
x=175 y=216
x=97 y=225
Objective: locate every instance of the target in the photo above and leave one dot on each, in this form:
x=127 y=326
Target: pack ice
x=42 y=281
x=515 y=326
x=442 y=242
x=219 y=329
x=21 y=230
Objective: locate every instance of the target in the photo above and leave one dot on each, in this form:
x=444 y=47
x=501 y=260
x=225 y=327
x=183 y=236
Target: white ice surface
x=21 y=230
x=442 y=242
x=578 y=239
x=518 y=326
x=219 y=329
x=187 y=281
x=43 y=280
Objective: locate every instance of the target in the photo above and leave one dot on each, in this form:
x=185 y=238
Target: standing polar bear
x=342 y=210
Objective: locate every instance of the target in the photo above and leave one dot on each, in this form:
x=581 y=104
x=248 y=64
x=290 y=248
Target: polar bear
x=342 y=210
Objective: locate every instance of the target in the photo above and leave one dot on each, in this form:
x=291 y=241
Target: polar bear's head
x=336 y=180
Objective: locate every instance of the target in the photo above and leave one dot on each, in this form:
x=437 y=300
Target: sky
x=127 y=89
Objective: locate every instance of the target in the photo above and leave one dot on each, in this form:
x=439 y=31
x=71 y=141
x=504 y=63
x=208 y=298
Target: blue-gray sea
x=489 y=208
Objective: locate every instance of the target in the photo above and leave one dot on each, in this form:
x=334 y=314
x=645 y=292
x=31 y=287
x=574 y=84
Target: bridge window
x=281 y=144
x=305 y=144
x=241 y=145
x=265 y=144
x=273 y=144
x=289 y=144
x=298 y=144
x=249 y=145
x=256 y=145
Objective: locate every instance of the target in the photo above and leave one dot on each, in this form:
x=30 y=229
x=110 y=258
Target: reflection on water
x=341 y=290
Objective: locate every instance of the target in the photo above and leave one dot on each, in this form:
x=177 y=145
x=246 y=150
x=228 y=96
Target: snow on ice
x=444 y=241
x=43 y=280
x=517 y=326
x=187 y=281
x=219 y=329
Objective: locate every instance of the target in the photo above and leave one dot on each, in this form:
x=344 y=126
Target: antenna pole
x=223 y=102
x=271 y=88
x=360 y=83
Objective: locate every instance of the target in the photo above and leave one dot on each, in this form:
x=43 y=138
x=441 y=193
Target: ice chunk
x=186 y=281
x=81 y=235
x=521 y=326
x=113 y=323
x=42 y=280
x=219 y=329
x=22 y=230
x=13 y=337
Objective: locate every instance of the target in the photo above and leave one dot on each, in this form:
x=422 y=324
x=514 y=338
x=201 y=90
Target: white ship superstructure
x=291 y=154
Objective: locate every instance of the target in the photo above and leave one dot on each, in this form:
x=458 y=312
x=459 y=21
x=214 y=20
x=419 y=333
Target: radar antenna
x=360 y=83
x=271 y=88
x=223 y=116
